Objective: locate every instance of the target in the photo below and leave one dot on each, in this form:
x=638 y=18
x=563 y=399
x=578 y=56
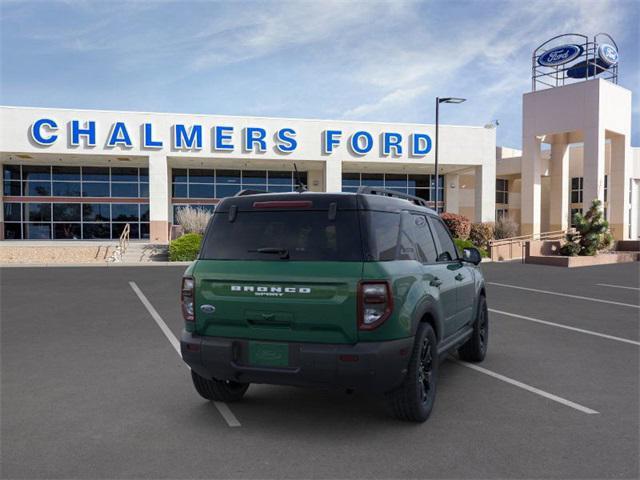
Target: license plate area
x=268 y=354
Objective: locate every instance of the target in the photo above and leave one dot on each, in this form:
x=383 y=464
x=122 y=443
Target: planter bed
x=602 y=259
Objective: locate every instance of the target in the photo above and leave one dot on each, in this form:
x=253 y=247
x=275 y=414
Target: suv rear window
x=305 y=235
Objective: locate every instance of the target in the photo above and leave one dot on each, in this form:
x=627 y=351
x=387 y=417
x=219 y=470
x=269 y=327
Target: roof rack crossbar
x=393 y=193
x=249 y=191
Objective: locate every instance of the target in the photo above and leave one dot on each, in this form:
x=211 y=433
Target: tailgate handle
x=269 y=323
x=268 y=319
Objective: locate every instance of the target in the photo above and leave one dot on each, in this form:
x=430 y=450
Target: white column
x=332 y=175
x=159 y=198
x=531 y=188
x=452 y=192
x=593 y=167
x=559 y=205
x=618 y=188
x=315 y=180
x=485 y=192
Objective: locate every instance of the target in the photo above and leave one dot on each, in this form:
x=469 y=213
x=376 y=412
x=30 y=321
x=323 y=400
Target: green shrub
x=481 y=233
x=458 y=225
x=185 y=248
x=462 y=244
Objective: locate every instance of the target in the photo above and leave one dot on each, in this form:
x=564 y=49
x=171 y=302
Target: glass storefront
x=63 y=214
x=74 y=221
x=422 y=186
x=209 y=184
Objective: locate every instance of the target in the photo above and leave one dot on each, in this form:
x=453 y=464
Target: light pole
x=438 y=102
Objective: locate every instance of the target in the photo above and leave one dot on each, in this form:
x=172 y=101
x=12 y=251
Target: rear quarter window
x=382 y=235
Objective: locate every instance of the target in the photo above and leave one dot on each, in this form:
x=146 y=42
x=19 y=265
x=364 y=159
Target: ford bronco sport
x=358 y=290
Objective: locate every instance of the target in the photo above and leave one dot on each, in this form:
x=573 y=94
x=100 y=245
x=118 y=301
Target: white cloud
x=488 y=55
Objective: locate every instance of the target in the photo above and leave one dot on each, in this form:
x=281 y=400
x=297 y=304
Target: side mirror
x=471 y=255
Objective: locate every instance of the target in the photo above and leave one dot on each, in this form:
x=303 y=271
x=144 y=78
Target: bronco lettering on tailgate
x=271 y=291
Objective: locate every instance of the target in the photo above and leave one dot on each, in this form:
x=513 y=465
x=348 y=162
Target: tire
x=413 y=400
x=475 y=349
x=218 y=390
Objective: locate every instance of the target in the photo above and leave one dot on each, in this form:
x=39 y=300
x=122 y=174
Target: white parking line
x=590 y=299
x=222 y=407
x=529 y=388
x=616 y=286
x=566 y=327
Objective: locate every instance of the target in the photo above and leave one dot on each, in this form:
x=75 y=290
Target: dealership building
x=85 y=174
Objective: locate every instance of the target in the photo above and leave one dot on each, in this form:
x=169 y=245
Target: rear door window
x=299 y=235
x=446 y=248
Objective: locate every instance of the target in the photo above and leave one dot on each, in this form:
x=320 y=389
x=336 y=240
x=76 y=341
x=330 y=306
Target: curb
x=94 y=265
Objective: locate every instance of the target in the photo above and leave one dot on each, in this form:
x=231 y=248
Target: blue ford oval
x=560 y=55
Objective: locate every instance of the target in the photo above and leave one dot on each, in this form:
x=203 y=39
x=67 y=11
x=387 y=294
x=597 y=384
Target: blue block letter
x=392 y=140
x=255 y=135
x=355 y=142
x=421 y=144
x=286 y=140
x=184 y=139
x=89 y=131
x=330 y=140
x=36 y=131
x=221 y=137
x=147 y=138
x=119 y=136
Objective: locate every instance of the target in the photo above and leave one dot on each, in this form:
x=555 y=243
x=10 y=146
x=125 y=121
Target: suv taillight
x=375 y=304
x=186 y=298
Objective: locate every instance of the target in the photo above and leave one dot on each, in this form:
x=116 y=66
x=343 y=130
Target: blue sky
x=366 y=60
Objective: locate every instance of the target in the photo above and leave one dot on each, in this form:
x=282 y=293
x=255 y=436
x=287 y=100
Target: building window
x=502 y=190
x=209 y=184
x=606 y=187
x=64 y=213
x=422 y=186
x=200 y=186
x=502 y=213
x=573 y=212
x=576 y=190
x=74 y=221
x=63 y=181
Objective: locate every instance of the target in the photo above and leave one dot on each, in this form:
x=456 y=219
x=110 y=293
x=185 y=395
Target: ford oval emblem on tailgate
x=208 y=308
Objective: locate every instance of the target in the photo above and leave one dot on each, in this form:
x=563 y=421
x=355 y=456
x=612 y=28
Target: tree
x=591 y=235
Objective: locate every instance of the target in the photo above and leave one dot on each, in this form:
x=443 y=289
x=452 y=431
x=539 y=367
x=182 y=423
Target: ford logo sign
x=608 y=54
x=560 y=55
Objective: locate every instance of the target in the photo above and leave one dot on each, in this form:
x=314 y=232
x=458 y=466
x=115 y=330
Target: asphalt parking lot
x=92 y=387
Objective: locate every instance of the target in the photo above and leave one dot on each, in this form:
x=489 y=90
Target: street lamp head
x=451 y=100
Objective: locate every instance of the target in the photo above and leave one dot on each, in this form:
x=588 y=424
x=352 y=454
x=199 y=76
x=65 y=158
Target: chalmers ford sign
x=222 y=138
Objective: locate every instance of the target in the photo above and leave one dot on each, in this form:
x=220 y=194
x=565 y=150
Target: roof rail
x=393 y=193
x=249 y=191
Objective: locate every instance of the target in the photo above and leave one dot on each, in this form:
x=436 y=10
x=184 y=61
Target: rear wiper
x=283 y=252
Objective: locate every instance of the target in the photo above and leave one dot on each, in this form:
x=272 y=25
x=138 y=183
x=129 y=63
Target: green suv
x=362 y=291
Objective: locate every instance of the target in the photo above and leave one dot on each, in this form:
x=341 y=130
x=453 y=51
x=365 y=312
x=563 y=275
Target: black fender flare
x=431 y=311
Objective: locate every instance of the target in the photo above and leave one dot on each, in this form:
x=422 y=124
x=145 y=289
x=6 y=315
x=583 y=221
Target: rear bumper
x=369 y=366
